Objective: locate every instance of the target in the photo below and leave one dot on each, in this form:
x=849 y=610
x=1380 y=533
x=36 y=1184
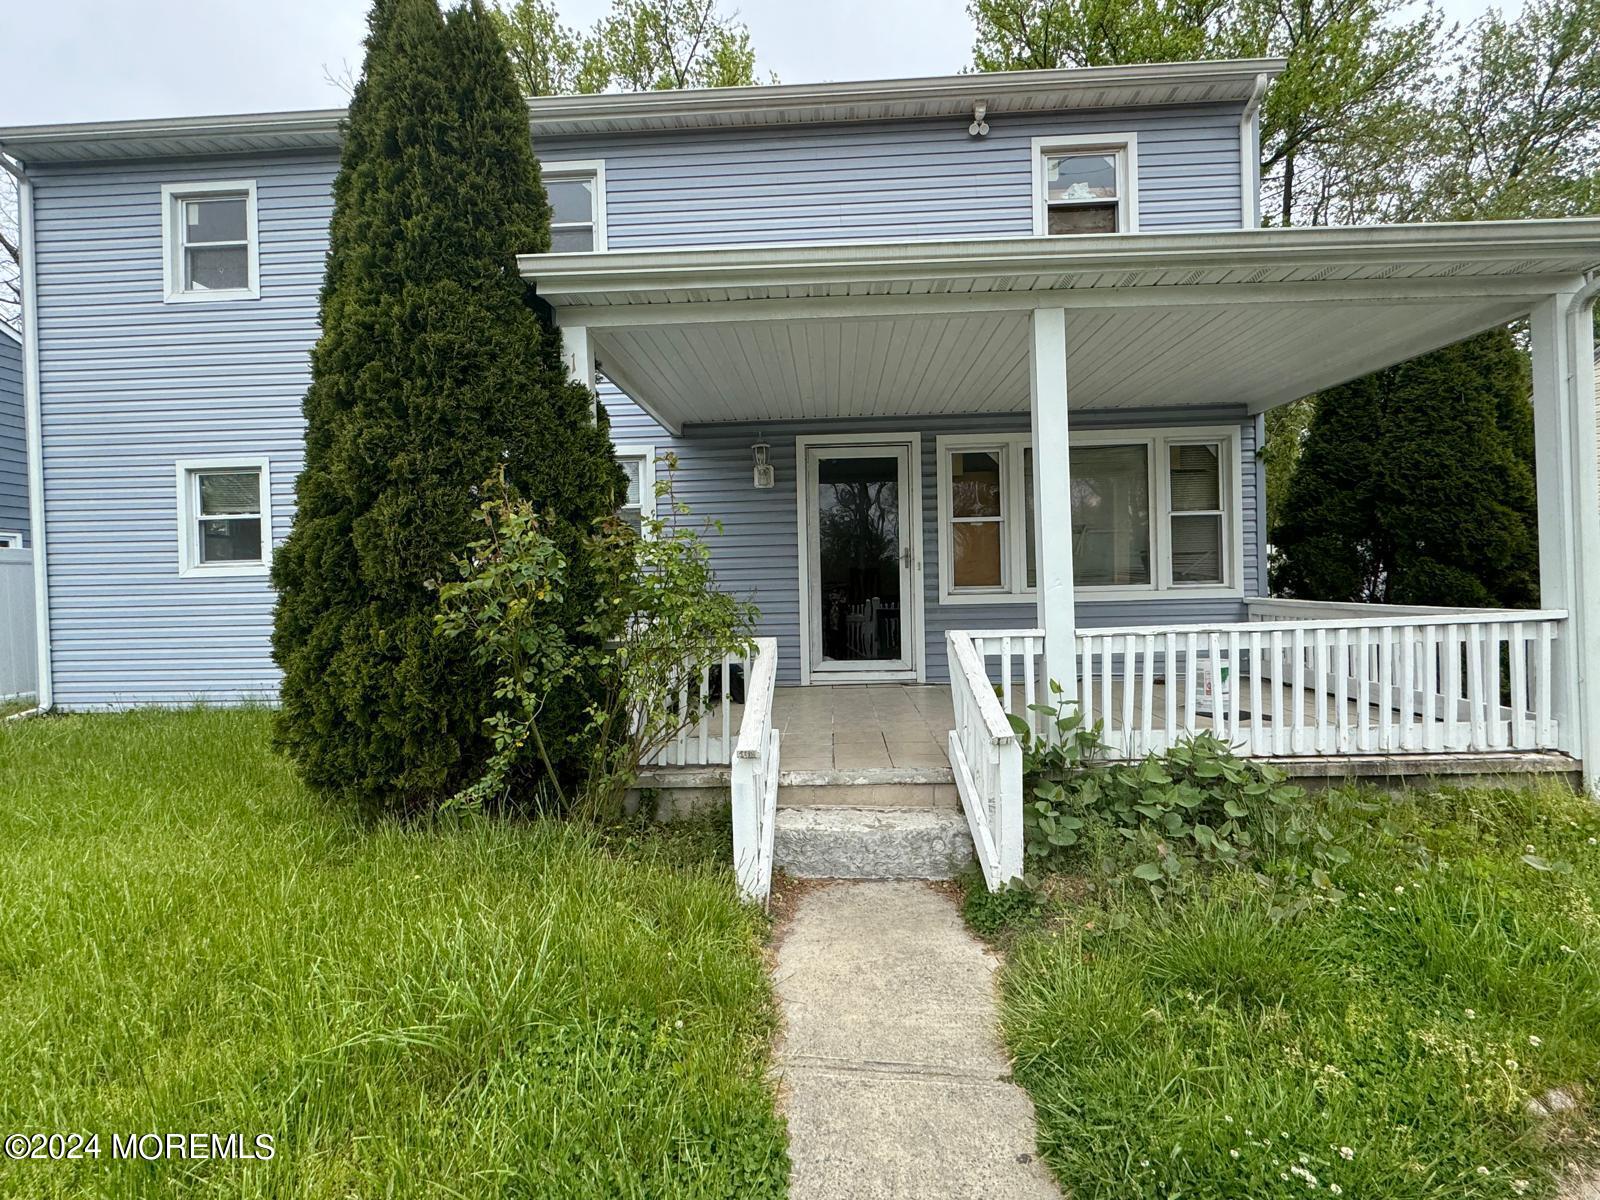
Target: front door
x=863 y=613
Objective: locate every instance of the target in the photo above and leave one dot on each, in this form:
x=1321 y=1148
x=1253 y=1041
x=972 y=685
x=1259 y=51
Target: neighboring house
x=13 y=444
x=870 y=319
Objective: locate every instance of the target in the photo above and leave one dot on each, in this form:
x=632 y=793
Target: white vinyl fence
x=19 y=672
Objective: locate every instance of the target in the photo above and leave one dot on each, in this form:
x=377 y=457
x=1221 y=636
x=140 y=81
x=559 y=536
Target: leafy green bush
x=1197 y=804
x=659 y=608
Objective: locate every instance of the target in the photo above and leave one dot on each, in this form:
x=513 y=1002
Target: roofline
x=558 y=275
x=680 y=109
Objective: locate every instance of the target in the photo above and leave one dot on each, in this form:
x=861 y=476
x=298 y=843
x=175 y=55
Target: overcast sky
x=90 y=60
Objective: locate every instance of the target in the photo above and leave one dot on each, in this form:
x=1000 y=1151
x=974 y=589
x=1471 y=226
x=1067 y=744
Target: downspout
x=1250 y=156
x=33 y=424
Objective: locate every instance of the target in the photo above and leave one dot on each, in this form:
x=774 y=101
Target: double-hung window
x=224 y=516
x=577 y=192
x=210 y=242
x=1151 y=512
x=639 y=464
x=1086 y=185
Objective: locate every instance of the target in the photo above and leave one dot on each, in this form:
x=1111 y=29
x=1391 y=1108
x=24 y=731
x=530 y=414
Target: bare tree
x=10 y=251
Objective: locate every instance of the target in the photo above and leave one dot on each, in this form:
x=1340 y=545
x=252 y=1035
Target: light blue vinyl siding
x=131 y=384
x=13 y=441
x=757 y=553
x=911 y=179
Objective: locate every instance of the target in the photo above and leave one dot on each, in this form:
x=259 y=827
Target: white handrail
x=754 y=782
x=986 y=759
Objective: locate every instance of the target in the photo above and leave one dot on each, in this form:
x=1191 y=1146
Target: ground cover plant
x=1252 y=1034
x=461 y=1007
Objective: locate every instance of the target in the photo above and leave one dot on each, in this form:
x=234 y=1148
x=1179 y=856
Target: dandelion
x=1346 y=1153
x=1535 y=1040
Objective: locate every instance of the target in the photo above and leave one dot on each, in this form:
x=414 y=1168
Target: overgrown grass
x=1382 y=1046
x=192 y=943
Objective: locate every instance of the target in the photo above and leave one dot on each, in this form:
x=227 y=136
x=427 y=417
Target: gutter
x=33 y=420
x=1250 y=154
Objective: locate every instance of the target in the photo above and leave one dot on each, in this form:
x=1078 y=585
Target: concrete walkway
x=894 y=1082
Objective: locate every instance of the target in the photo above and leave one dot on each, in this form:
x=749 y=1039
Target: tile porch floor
x=856 y=726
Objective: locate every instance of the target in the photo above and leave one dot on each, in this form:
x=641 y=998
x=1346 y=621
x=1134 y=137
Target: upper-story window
x=639 y=464
x=1086 y=185
x=577 y=192
x=210 y=242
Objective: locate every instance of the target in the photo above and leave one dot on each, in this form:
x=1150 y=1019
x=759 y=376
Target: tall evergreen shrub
x=432 y=370
x=1416 y=486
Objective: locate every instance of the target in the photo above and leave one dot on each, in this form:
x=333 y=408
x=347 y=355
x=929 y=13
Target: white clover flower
x=1470 y=1015
x=1519 y=1186
x=1228 y=1119
x=1399 y=889
x=1594 y=841
x=1346 y=1153
x=1233 y=1154
x=1566 y=949
x=1336 y=1189
x=1535 y=1040
x=1527 y=850
x=1483 y=1170
x=1511 y=1064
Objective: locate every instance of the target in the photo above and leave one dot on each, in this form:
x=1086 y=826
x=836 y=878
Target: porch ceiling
x=1252 y=317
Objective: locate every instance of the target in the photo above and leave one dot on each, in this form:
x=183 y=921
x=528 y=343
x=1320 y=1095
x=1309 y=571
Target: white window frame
x=10 y=539
x=1015 y=590
x=576 y=168
x=173 y=196
x=646 y=456
x=189 y=564
x=1124 y=145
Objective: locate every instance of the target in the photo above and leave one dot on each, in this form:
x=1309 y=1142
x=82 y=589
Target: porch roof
x=1241 y=317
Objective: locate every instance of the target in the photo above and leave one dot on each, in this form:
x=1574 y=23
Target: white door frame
x=911 y=604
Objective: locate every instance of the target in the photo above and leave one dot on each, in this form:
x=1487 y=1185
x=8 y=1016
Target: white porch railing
x=19 y=672
x=755 y=774
x=986 y=759
x=709 y=691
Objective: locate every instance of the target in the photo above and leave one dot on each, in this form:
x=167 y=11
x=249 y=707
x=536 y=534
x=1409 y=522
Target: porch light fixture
x=979 y=127
x=763 y=467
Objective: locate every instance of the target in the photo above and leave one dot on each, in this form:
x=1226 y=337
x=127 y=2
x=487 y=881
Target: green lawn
x=1384 y=1046
x=192 y=943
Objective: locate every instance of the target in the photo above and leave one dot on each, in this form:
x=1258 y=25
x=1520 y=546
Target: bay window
x=1152 y=511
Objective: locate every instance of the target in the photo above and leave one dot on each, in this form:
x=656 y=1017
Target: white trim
x=1250 y=155
x=10 y=539
x=912 y=615
x=189 y=564
x=646 y=455
x=1124 y=145
x=33 y=423
x=1156 y=439
x=596 y=169
x=173 y=196
x=11 y=333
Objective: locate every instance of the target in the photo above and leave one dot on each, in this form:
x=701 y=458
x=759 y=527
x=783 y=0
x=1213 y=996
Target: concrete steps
x=840 y=841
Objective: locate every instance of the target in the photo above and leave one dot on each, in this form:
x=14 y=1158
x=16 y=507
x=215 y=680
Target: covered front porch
x=851 y=359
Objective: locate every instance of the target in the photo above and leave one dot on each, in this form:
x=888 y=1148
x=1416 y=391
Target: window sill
x=255 y=570
x=213 y=297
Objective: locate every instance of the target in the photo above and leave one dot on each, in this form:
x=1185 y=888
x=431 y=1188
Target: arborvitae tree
x=1416 y=486
x=433 y=370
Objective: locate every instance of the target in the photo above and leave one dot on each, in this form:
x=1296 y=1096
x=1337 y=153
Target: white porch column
x=1052 y=496
x=1569 y=515
x=578 y=353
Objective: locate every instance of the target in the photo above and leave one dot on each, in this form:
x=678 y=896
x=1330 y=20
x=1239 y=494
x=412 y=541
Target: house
x=13 y=444
x=971 y=369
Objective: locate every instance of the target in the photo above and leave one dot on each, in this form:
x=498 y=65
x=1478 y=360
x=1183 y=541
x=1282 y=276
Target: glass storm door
x=863 y=616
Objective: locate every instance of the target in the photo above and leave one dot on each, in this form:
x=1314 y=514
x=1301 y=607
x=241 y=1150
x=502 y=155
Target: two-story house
x=971 y=369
